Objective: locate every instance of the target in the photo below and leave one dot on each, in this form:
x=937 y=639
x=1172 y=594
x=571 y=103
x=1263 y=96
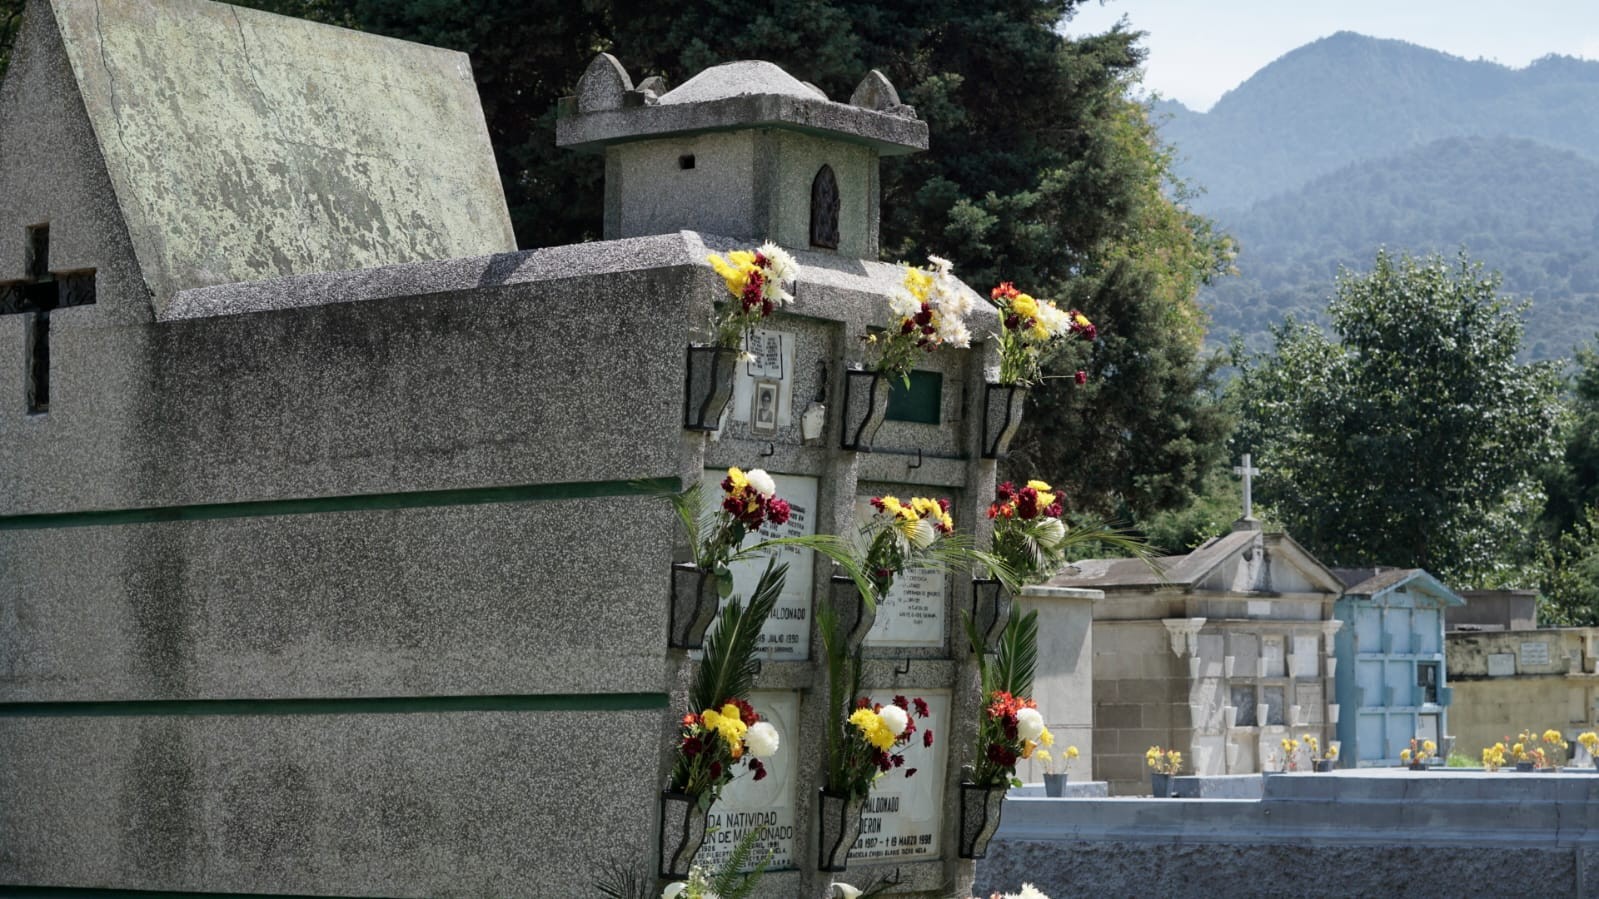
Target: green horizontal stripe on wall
x=365 y=502
x=378 y=705
x=103 y=892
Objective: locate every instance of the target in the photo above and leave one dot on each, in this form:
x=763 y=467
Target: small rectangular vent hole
x=686 y=161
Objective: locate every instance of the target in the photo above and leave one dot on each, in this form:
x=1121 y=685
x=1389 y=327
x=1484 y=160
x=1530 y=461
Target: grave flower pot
x=854 y=615
x=990 y=609
x=839 y=816
x=1524 y=766
x=708 y=386
x=1418 y=766
x=1323 y=766
x=1160 y=785
x=694 y=605
x=865 y=408
x=682 y=832
x=980 y=807
x=1055 y=785
x=1002 y=416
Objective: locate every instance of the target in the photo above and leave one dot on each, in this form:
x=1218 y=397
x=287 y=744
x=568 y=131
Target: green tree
x=1573 y=484
x=1412 y=436
x=1568 y=592
x=10 y=24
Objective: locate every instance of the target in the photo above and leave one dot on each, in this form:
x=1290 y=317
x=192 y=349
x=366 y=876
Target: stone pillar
x=1063 y=684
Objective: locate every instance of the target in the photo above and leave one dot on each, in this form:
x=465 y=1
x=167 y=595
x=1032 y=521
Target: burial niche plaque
x=904 y=815
x=912 y=614
x=787 y=634
x=747 y=803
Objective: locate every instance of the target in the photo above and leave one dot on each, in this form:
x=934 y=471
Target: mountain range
x=1351 y=143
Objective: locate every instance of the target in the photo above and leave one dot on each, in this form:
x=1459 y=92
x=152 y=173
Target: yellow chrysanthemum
x=736 y=477
x=1071 y=752
x=1024 y=305
x=727 y=723
x=735 y=269
x=1552 y=736
x=871 y=726
x=892 y=506
x=1429 y=745
x=1404 y=755
x=918 y=282
x=1046 y=738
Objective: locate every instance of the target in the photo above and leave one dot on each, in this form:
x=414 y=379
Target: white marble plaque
x=1501 y=664
x=1534 y=654
x=912 y=614
x=773 y=365
x=903 y=815
x=747 y=803
x=787 y=634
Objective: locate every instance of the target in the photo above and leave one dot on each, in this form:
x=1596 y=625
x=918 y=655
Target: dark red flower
x=758 y=768
x=692 y=746
x=778 y=511
x=1001 y=754
x=927 y=738
x=1005 y=491
x=1082 y=377
x=902 y=702
x=716 y=770
x=943 y=504
x=1054 y=510
x=921 y=708
x=907 y=327
x=899 y=761
x=909 y=771
x=1013 y=322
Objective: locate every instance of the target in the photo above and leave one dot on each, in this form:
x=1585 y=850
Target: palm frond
x=729 y=883
x=985 y=671
x=729 y=666
x=1017 y=658
x=618 y=880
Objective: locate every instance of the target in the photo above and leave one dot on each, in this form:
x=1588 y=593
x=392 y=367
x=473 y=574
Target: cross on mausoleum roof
x=1247 y=471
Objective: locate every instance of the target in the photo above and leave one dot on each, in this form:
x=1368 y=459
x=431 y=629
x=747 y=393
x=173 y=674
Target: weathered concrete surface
x=243 y=145
x=423 y=804
x=408 y=602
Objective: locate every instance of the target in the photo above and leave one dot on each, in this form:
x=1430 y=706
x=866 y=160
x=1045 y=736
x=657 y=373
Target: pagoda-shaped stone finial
x=743 y=150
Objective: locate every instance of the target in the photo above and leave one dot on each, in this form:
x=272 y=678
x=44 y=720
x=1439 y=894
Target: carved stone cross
x=1247 y=471
x=37 y=293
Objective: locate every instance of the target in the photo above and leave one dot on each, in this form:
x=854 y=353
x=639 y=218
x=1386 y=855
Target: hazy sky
x=1200 y=49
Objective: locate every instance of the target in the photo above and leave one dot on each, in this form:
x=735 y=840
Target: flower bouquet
x=718 y=537
x=1590 y=742
x=1031 y=544
x=862 y=747
x=1417 y=754
x=1055 y=781
x=1290 y=761
x=1493 y=757
x=1318 y=761
x=1163 y=766
x=927 y=310
x=726 y=733
x=755 y=278
x=1010 y=727
x=915 y=533
x=1027 y=327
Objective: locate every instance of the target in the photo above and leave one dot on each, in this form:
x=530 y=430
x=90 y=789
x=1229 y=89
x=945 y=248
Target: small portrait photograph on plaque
x=763 y=413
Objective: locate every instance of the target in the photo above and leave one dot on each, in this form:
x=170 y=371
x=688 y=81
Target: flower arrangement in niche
x=871 y=742
x=906 y=534
x=1290 y=754
x=1027 y=327
x=1590 y=742
x=1163 y=761
x=755 y=278
x=929 y=311
x=1554 y=740
x=748 y=502
x=727 y=733
x=1010 y=727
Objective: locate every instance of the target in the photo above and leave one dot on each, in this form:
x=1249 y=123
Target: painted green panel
x=921 y=403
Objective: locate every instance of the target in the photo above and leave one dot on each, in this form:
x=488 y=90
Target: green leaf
x=729 y=666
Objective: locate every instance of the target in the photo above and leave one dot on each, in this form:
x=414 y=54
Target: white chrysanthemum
x=1054 y=320
x=895 y=719
x=674 y=890
x=1029 y=724
x=922 y=534
x=762 y=482
x=1031 y=892
x=953 y=332
x=782 y=266
x=903 y=302
x=762 y=740
x=772 y=289
x=1051 y=532
x=941 y=265
x=955 y=301
x=845 y=891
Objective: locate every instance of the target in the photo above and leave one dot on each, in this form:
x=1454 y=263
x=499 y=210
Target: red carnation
x=1082 y=377
x=692 y=746
x=778 y=511
x=927 y=738
x=902 y=702
x=758 y=768
x=921 y=708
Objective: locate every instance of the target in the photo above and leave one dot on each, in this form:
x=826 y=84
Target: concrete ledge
x=1077 y=789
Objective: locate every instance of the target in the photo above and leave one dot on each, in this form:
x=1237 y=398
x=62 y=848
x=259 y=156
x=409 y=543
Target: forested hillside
x=1520 y=207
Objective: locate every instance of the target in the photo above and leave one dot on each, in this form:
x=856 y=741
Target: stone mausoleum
x=334 y=557
x=1220 y=653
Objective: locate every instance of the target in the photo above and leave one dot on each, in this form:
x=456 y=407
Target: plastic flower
x=1027 y=326
x=1404 y=755
x=929 y=309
